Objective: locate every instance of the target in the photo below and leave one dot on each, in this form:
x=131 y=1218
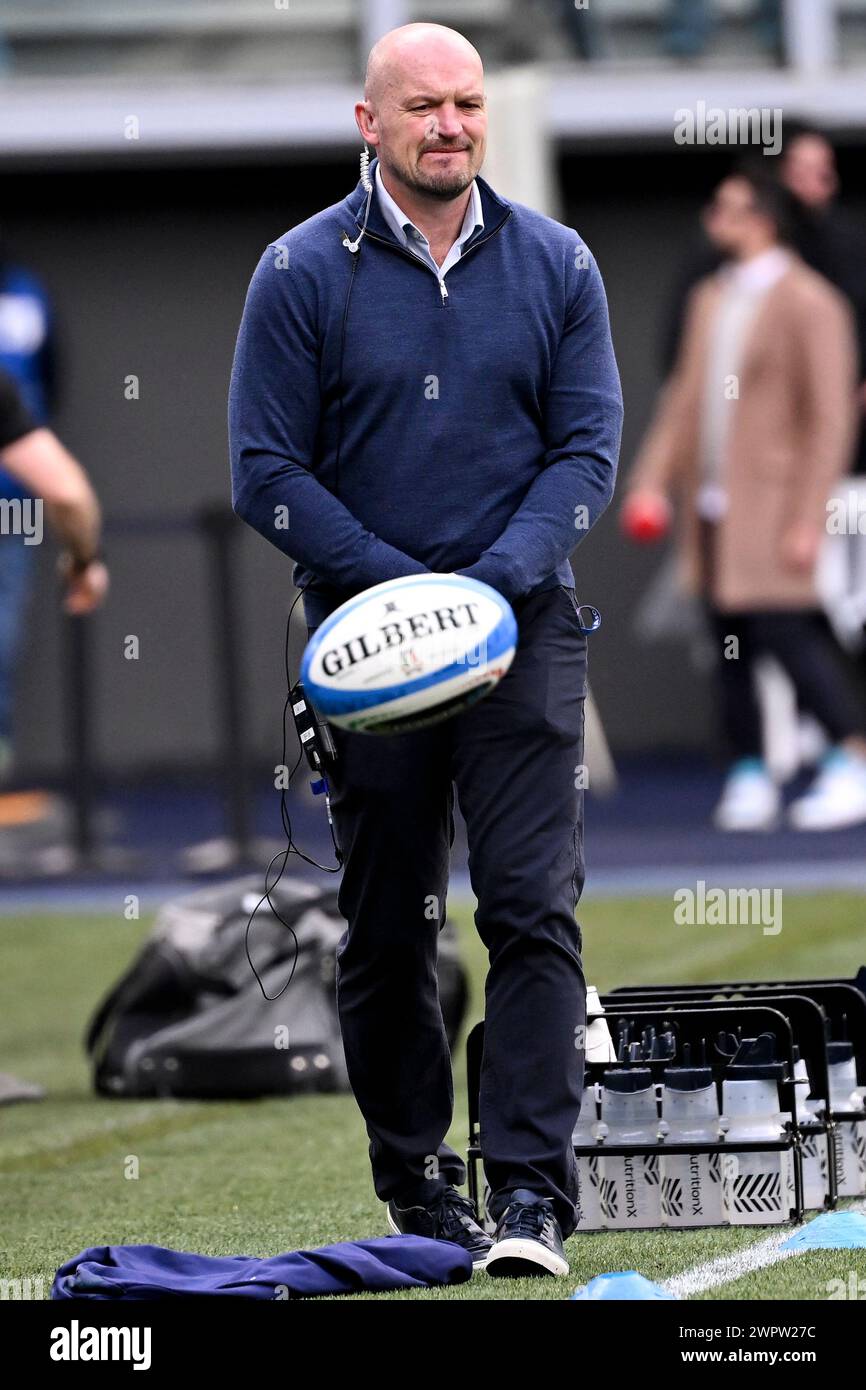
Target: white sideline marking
x=729 y=1267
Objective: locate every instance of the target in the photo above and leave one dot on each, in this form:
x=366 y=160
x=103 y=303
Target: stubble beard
x=444 y=186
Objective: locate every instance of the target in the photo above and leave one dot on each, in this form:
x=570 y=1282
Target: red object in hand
x=646 y=517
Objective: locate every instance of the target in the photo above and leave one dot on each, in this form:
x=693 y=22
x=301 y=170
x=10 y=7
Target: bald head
x=403 y=52
x=424 y=109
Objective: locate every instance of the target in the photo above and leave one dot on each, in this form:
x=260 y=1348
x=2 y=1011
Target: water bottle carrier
x=812 y=1159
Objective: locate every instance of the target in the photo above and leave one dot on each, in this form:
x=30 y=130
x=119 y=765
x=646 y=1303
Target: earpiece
x=354 y=246
x=365 y=170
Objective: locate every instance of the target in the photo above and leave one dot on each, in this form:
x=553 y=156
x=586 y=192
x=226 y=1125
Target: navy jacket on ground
x=151 y=1271
x=480 y=430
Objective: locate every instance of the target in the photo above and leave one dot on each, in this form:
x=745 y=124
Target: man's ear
x=367 y=123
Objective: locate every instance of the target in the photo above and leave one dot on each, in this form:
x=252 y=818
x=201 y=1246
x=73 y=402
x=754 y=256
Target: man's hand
x=86 y=586
x=800 y=546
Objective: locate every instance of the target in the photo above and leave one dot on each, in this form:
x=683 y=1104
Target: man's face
x=729 y=217
x=432 y=124
x=809 y=171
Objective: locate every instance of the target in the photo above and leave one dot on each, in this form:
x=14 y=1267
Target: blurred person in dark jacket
x=828 y=236
x=754 y=427
x=27 y=355
x=49 y=476
x=43 y=474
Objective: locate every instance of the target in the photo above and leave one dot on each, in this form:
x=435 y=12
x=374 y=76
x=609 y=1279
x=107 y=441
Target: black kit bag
x=188 y=1018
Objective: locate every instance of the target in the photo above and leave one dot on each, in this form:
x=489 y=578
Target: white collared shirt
x=413 y=239
x=744 y=287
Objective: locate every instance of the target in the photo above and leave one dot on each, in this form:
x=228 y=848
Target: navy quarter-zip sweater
x=477 y=432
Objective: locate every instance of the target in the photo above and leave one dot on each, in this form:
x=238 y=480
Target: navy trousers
x=516 y=761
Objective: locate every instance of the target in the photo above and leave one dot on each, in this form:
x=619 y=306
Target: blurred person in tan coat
x=755 y=425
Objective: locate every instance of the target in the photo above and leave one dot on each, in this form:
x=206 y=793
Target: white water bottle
x=691 y=1186
x=599 y=1044
x=589 y=1169
x=630 y=1190
x=850 y=1134
x=756 y=1184
x=814 y=1146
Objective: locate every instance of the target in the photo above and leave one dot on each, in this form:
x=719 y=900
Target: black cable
x=285 y=819
x=290 y=847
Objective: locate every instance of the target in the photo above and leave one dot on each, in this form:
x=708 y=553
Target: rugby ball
x=408 y=653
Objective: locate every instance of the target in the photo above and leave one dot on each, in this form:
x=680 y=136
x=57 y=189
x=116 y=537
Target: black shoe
x=450 y=1216
x=528 y=1239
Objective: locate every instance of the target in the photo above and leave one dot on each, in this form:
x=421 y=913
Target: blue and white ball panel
x=409 y=652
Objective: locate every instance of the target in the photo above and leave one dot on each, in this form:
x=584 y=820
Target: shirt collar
x=761 y=271
x=404 y=228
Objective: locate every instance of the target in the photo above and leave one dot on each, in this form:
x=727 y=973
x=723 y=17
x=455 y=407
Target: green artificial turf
x=264 y=1176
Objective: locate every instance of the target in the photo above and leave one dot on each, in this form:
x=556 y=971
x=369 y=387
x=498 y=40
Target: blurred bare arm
x=47 y=469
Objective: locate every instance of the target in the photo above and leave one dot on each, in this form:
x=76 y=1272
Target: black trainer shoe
x=450 y=1216
x=528 y=1239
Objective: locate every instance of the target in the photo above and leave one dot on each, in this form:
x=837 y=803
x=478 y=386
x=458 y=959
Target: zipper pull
x=443 y=290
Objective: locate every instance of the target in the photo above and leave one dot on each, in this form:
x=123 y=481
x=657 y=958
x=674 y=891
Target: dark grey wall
x=149 y=269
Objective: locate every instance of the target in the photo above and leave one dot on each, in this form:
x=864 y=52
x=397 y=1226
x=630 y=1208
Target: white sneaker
x=837 y=797
x=750 y=799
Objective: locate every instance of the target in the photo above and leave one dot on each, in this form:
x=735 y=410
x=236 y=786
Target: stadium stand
x=324 y=38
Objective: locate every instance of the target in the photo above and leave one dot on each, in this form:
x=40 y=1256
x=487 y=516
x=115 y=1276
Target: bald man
x=424 y=382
